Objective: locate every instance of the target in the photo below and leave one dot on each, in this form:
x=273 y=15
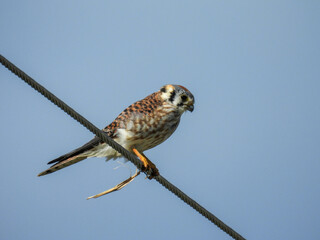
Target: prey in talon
x=141 y=126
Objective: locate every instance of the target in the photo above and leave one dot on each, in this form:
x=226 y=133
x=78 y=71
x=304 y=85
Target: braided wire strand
x=128 y=155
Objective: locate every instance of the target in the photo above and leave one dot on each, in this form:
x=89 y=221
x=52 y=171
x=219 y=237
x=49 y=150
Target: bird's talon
x=151 y=172
x=148 y=167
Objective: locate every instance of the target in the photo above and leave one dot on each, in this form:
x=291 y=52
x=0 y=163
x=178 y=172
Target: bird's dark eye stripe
x=173 y=94
x=163 y=89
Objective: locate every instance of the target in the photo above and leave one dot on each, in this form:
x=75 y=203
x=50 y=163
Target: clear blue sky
x=249 y=152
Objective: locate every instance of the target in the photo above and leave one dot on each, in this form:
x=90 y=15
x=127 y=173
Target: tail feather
x=72 y=157
x=88 y=146
x=63 y=164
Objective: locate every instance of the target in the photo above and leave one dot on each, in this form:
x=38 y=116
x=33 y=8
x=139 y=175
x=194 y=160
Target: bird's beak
x=190 y=107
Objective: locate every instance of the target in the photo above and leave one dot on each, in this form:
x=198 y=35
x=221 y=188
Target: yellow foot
x=147 y=164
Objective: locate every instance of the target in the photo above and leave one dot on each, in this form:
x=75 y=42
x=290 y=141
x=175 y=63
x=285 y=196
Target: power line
x=130 y=156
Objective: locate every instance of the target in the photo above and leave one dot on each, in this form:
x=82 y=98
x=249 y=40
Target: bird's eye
x=184 y=98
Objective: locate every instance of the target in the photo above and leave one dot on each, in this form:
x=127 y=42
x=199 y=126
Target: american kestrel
x=141 y=126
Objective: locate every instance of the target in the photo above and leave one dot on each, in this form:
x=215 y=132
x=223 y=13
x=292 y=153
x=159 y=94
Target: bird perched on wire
x=141 y=126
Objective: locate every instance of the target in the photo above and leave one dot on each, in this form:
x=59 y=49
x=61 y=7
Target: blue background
x=249 y=152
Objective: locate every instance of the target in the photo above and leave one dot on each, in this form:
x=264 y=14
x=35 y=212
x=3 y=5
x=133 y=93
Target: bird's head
x=179 y=96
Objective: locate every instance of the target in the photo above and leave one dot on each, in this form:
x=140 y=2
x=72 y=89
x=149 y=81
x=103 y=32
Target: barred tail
x=62 y=164
x=72 y=157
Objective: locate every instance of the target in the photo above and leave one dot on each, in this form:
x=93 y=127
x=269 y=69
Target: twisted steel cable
x=128 y=155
